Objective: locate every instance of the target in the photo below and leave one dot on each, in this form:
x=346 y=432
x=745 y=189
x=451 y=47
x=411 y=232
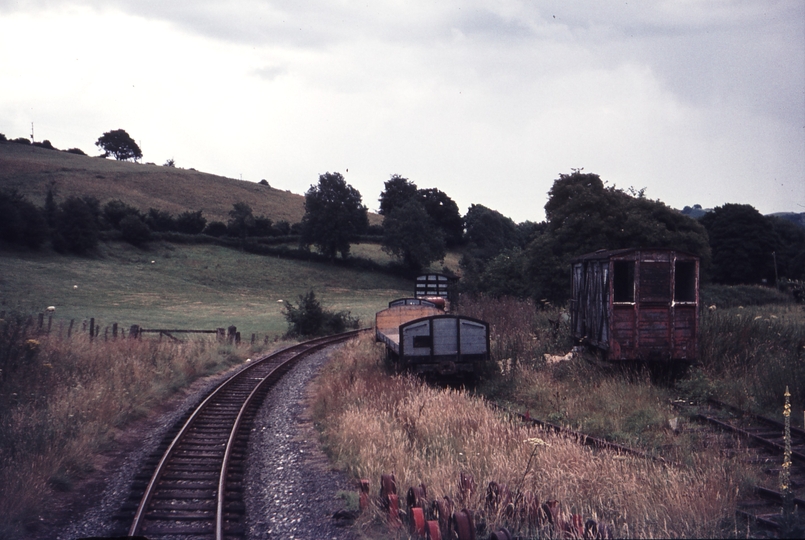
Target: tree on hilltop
x=120 y=145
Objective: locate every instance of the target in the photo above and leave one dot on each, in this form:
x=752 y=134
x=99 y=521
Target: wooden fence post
x=70 y=330
x=134 y=331
x=231 y=335
x=50 y=322
x=114 y=331
x=92 y=328
x=254 y=336
x=41 y=321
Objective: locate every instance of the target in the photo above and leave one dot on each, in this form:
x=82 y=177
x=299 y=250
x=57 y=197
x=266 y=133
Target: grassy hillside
x=196 y=286
x=30 y=170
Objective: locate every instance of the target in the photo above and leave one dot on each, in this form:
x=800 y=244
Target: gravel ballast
x=291 y=491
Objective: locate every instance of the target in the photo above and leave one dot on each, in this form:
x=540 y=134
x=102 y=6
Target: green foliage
x=488 y=232
x=190 y=222
x=160 y=220
x=310 y=319
x=76 y=151
x=282 y=228
x=334 y=216
x=789 y=248
x=493 y=262
x=742 y=241
x=76 y=226
x=114 y=211
x=443 y=211
x=46 y=144
x=584 y=216
x=134 y=230
x=411 y=236
x=397 y=191
x=21 y=222
x=241 y=220
x=120 y=145
x=216 y=229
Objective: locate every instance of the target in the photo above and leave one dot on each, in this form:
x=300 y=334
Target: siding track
x=764 y=507
x=195 y=488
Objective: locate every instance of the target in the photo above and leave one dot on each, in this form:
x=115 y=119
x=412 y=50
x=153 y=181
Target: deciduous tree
x=334 y=216
x=584 y=215
x=410 y=235
x=120 y=145
x=742 y=240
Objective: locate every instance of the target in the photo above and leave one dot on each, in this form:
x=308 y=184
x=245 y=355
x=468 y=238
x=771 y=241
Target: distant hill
x=30 y=170
x=793 y=217
x=696 y=212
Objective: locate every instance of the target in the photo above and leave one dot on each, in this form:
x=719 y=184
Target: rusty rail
x=760 y=438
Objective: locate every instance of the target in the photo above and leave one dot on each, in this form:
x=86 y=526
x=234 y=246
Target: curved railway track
x=196 y=487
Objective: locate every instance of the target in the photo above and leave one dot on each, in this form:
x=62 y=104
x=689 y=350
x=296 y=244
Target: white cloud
x=488 y=101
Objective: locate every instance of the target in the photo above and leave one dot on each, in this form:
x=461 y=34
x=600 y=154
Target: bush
x=134 y=230
x=44 y=144
x=21 y=140
x=76 y=226
x=114 y=212
x=160 y=220
x=21 y=222
x=216 y=229
x=76 y=151
x=310 y=319
x=190 y=222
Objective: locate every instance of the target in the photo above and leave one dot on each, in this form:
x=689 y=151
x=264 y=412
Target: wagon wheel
x=417 y=521
x=388 y=485
x=434 y=533
x=464 y=527
x=394 y=512
x=442 y=510
x=502 y=534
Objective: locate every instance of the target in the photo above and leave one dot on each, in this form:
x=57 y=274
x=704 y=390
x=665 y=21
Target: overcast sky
x=698 y=101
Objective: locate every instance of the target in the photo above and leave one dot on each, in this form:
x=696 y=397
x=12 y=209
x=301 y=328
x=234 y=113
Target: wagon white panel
x=412 y=331
x=473 y=338
x=445 y=336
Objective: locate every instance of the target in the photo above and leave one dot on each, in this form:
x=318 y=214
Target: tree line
x=75 y=224
x=735 y=243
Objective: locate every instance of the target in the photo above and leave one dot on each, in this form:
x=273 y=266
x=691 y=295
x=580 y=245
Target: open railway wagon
x=434 y=286
x=637 y=304
x=421 y=338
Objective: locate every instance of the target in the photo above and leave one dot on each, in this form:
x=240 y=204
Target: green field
x=186 y=286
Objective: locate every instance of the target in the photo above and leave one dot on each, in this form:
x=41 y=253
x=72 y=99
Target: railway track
x=195 y=488
x=764 y=508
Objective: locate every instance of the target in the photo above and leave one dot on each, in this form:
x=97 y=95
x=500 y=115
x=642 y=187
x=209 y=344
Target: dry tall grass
x=61 y=399
x=373 y=424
